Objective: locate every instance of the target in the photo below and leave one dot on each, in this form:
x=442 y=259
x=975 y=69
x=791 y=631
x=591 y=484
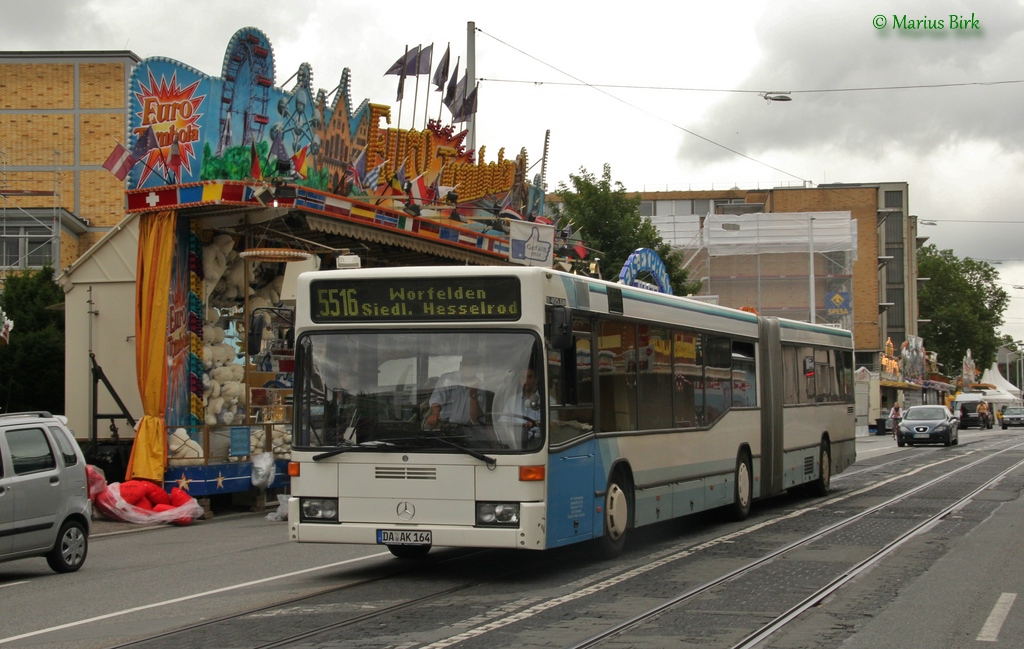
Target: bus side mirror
x=559 y=327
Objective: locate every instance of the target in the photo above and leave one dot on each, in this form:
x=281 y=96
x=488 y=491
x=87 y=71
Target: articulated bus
x=647 y=407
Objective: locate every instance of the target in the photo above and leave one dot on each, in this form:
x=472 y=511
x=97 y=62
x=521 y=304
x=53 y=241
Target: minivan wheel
x=68 y=553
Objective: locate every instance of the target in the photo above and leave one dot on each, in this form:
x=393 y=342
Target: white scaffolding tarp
x=779 y=232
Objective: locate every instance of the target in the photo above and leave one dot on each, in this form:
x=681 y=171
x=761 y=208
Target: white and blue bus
x=647 y=407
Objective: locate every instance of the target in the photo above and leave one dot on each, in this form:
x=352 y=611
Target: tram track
x=759 y=635
x=319 y=620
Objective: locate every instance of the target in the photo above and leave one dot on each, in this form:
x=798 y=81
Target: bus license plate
x=404 y=537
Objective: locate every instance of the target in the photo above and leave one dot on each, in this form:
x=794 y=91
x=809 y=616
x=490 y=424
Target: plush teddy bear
x=215 y=261
x=270 y=292
x=212 y=334
x=223 y=354
x=222 y=374
x=234 y=279
x=182 y=449
x=213 y=410
x=232 y=392
x=211 y=315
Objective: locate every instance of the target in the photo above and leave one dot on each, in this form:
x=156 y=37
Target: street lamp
x=1020 y=366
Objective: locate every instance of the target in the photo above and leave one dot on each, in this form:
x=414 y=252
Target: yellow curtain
x=152 y=295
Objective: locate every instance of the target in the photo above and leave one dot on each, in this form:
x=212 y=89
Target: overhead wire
x=645 y=111
x=601 y=88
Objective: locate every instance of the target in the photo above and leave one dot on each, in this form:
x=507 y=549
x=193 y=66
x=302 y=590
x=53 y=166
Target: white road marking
x=994 y=623
x=13 y=583
x=186 y=598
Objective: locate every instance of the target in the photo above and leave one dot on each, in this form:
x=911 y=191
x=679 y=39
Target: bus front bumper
x=530 y=535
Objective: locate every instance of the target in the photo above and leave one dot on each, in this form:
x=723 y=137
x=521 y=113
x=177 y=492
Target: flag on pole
x=277 y=147
x=451 y=93
x=371 y=179
x=441 y=74
x=509 y=213
x=401 y=80
x=419 y=192
x=407 y=63
x=300 y=162
x=174 y=159
x=146 y=143
x=254 y=163
x=120 y=162
x=459 y=99
x=357 y=169
x=468 y=107
x=423 y=60
x=400 y=175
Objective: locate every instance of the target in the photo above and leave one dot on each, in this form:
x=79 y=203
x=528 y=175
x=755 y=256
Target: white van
x=965 y=407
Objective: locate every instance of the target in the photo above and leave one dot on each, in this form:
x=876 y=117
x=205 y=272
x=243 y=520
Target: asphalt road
x=955 y=586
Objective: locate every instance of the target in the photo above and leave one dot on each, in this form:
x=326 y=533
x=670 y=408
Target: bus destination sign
x=415 y=299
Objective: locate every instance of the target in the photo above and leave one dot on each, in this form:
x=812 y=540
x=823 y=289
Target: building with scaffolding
x=754 y=248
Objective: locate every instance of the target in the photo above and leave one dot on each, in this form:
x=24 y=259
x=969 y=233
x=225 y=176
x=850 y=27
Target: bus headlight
x=319 y=510
x=497 y=514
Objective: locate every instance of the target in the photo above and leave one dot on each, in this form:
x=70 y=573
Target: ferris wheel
x=248 y=75
x=300 y=118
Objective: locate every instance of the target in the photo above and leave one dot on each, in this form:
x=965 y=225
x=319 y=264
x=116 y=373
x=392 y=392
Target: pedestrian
x=895 y=415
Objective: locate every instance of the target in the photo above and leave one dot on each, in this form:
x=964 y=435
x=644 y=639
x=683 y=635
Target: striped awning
x=385 y=237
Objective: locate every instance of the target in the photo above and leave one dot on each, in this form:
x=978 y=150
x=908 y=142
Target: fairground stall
x=234 y=186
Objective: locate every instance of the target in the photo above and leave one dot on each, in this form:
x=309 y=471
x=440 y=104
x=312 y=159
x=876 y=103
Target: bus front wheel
x=617 y=515
x=742 y=488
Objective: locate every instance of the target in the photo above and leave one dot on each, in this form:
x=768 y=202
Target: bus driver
x=456 y=397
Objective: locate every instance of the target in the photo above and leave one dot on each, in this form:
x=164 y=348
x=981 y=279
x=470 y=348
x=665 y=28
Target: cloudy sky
x=666 y=93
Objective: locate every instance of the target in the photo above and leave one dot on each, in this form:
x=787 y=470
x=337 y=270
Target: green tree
x=32 y=363
x=963 y=305
x=610 y=222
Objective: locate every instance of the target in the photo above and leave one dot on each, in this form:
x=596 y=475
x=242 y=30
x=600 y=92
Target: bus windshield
x=431 y=391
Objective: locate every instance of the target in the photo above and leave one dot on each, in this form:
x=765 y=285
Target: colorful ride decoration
x=645 y=262
x=188 y=127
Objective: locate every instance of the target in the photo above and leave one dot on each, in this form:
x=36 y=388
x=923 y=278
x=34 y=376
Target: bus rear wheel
x=409 y=551
x=821 y=486
x=742 y=488
x=617 y=515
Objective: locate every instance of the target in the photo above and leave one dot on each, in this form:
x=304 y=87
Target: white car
x=44 y=495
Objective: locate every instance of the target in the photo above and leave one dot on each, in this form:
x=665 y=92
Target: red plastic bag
x=111 y=504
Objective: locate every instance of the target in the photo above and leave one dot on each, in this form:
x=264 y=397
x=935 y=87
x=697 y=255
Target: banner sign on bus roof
x=433 y=299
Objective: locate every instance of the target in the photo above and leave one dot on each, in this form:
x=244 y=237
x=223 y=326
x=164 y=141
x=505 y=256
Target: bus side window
x=717 y=376
x=687 y=379
x=571 y=385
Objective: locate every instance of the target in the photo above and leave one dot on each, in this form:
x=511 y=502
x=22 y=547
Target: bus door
x=573 y=455
x=772 y=395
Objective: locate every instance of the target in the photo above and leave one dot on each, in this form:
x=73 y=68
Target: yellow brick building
x=61 y=114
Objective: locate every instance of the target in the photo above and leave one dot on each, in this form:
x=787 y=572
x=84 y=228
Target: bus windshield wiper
x=345 y=446
x=490 y=461
x=348 y=446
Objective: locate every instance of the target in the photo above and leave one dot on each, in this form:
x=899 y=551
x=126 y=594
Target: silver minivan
x=44 y=497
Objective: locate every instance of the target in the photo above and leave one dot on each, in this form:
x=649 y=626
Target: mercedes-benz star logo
x=406 y=510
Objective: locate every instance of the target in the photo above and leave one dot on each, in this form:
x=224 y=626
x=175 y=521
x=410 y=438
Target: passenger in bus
x=523 y=408
x=457 y=397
